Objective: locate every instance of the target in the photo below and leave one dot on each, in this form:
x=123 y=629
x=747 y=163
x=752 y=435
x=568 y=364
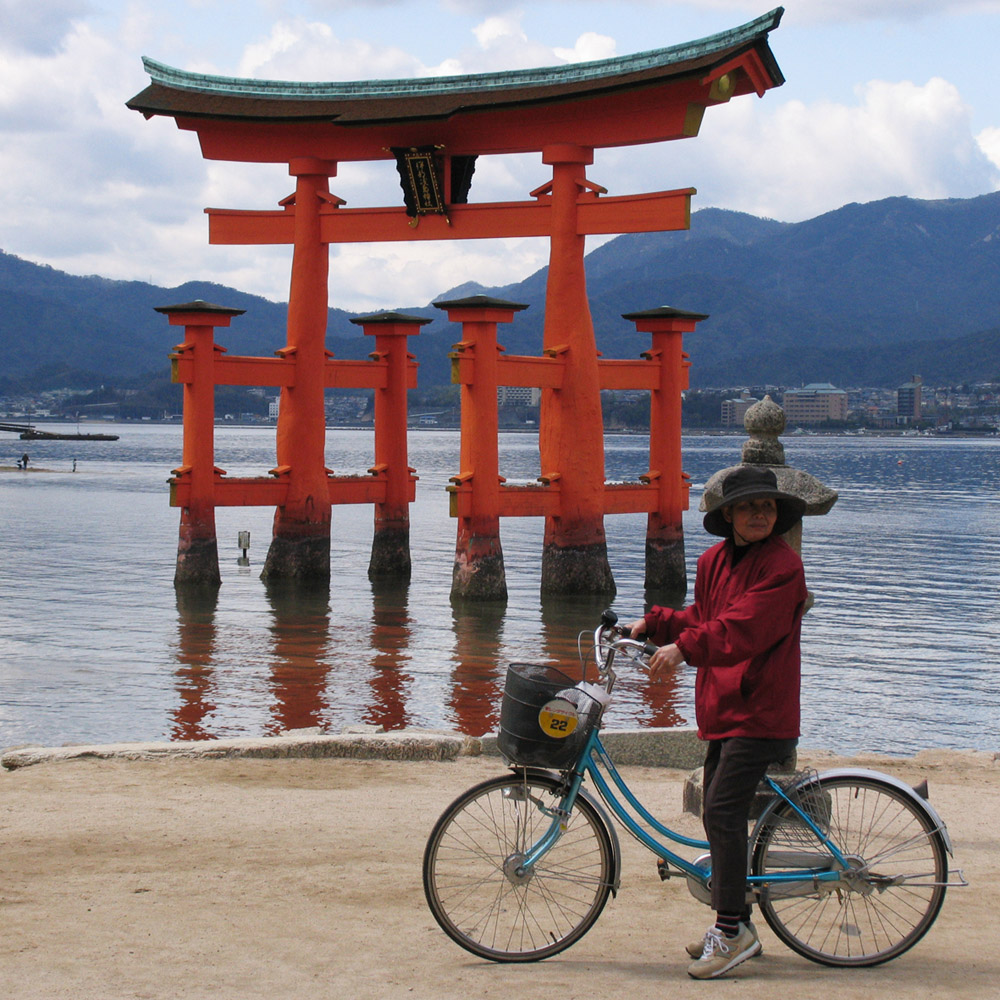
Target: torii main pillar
x=571 y=430
x=300 y=545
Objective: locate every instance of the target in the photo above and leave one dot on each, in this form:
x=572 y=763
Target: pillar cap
x=200 y=306
x=665 y=312
x=480 y=302
x=390 y=317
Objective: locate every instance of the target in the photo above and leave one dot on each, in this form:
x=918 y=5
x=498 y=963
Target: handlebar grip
x=610 y=620
x=648 y=648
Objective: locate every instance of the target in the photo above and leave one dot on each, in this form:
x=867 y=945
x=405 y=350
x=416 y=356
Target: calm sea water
x=901 y=651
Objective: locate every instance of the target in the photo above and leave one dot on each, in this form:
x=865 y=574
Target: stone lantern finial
x=764 y=421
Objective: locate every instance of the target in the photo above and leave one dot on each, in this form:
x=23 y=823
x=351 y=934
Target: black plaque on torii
x=421 y=175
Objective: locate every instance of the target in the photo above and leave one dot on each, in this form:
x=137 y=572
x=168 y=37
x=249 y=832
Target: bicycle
x=849 y=867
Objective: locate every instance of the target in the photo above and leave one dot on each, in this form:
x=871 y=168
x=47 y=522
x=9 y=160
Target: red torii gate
x=435 y=128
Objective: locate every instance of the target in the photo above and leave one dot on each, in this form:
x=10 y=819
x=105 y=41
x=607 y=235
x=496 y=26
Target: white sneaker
x=696 y=948
x=720 y=954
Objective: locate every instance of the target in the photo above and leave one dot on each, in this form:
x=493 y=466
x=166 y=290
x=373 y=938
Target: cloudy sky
x=883 y=97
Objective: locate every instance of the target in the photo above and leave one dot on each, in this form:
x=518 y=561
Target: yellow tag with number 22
x=558 y=718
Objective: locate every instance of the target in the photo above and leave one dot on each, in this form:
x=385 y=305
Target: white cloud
x=40 y=25
x=989 y=143
x=367 y=278
x=72 y=151
x=298 y=49
x=589 y=46
x=813 y=11
x=307 y=50
x=504 y=44
x=499 y=30
x=795 y=161
x=479 y=8
x=89 y=187
x=842 y=11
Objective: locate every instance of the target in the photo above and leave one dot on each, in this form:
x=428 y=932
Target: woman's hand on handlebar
x=665 y=659
x=635 y=629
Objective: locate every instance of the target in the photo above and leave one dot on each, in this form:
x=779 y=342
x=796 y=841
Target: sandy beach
x=302 y=878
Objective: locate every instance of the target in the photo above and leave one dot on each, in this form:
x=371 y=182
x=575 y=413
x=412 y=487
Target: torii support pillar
x=666 y=572
x=197 y=547
x=390 y=558
x=571 y=430
x=300 y=545
x=478 y=573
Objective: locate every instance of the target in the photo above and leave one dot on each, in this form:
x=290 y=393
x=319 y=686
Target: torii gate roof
x=570 y=103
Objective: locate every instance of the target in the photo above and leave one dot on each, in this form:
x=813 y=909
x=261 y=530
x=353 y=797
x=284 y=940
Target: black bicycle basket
x=528 y=689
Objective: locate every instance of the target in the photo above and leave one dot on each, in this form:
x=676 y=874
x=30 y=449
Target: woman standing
x=742 y=634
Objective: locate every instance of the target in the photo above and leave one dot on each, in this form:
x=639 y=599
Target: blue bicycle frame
x=596 y=763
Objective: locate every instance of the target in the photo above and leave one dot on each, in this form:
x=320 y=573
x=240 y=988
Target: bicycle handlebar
x=605 y=650
x=627 y=642
x=609 y=620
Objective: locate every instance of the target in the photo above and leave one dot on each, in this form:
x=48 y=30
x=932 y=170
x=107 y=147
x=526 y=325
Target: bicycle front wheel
x=482 y=897
x=890 y=893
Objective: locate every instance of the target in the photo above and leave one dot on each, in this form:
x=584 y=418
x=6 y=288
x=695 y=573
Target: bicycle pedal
x=663 y=870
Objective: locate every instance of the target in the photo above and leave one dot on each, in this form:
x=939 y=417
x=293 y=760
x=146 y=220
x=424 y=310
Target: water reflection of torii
x=300 y=664
x=195 y=682
x=298 y=661
x=390 y=639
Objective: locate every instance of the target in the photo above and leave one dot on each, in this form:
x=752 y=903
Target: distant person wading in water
x=742 y=635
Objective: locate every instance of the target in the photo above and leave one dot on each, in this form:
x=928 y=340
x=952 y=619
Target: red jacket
x=742 y=633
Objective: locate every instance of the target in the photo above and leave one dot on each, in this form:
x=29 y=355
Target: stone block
x=694 y=791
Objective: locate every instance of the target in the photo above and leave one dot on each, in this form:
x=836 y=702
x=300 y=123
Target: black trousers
x=733 y=769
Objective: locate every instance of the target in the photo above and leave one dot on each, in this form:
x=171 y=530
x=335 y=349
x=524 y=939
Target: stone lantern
x=764 y=422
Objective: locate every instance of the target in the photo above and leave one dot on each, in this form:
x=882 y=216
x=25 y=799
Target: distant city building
x=272 y=408
x=345 y=409
x=518 y=395
x=815 y=403
x=734 y=410
x=908 y=401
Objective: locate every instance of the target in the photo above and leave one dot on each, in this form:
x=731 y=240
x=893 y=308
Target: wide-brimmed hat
x=754 y=483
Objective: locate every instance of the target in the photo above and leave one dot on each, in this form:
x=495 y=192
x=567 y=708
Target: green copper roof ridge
x=179 y=79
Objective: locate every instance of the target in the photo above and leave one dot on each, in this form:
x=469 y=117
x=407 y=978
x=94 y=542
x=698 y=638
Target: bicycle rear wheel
x=472 y=877
x=891 y=892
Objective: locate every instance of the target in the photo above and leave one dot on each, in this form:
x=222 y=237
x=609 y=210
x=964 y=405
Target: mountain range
x=864 y=295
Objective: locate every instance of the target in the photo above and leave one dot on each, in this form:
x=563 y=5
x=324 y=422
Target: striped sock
x=728 y=923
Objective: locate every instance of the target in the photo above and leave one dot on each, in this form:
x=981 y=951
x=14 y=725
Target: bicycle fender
x=886 y=779
x=601 y=811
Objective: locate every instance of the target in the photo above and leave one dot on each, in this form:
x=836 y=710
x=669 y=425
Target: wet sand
x=302 y=878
